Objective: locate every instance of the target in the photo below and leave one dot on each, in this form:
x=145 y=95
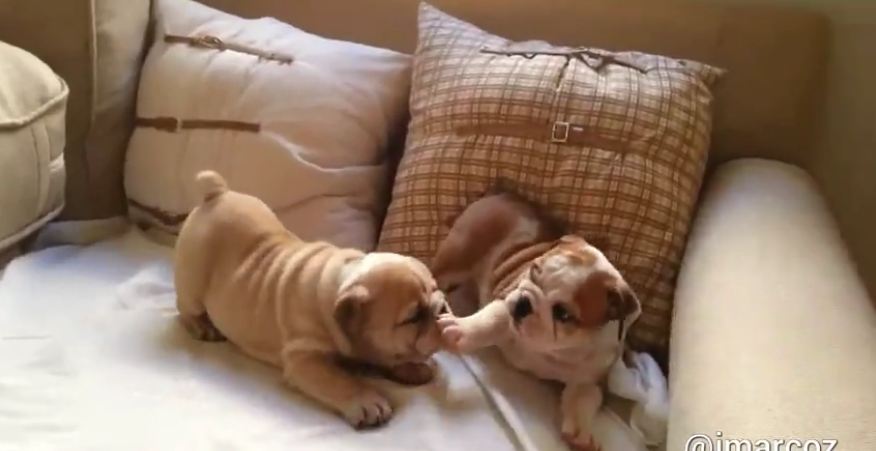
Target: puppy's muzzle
x=522 y=308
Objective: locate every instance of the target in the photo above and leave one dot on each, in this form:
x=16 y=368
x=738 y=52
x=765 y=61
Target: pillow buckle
x=560 y=132
x=210 y=42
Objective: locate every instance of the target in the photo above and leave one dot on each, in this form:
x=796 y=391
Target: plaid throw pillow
x=613 y=143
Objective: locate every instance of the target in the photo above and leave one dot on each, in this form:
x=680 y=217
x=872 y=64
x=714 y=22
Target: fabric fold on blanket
x=637 y=377
x=90 y=344
x=530 y=408
x=94 y=359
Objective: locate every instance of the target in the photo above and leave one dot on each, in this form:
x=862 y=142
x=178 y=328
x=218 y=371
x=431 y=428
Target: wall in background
x=846 y=163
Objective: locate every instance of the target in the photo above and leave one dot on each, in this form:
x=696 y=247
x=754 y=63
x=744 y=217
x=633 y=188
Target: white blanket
x=91 y=358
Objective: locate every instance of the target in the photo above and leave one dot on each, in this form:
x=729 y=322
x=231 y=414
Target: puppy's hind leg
x=190 y=287
x=200 y=327
x=463 y=299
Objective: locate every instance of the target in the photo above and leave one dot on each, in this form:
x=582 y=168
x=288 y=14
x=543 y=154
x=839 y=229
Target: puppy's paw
x=412 y=373
x=367 y=410
x=456 y=333
x=201 y=328
x=577 y=438
x=581 y=442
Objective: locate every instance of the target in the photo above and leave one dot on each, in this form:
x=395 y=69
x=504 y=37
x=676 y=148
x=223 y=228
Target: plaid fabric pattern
x=614 y=144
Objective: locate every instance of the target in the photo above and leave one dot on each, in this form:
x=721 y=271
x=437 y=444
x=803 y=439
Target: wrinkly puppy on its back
x=308 y=308
x=553 y=303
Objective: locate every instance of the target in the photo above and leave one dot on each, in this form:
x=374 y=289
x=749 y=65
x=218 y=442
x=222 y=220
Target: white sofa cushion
x=33 y=101
x=774 y=335
x=300 y=121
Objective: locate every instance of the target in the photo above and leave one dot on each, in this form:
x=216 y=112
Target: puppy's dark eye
x=561 y=314
x=418 y=315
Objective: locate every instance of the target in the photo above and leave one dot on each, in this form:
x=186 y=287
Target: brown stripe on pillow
x=165 y=218
x=172 y=124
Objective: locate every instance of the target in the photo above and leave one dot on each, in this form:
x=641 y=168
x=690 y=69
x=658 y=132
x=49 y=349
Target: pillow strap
x=558 y=132
x=213 y=42
x=594 y=59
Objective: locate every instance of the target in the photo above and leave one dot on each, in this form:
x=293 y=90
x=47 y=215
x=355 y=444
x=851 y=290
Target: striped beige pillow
x=300 y=121
x=614 y=143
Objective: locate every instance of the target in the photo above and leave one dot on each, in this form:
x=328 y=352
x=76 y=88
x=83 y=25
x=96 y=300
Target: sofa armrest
x=774 y=336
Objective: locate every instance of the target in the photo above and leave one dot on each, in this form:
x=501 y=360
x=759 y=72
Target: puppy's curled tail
x=210 y=184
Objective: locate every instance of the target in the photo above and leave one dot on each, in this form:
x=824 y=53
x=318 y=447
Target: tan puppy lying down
x=309 y=308
x=554 y=305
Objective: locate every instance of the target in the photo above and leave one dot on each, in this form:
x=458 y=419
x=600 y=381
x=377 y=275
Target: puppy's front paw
x=456 y=333
x=581 y=442
x=579 y=406
x=367 y=410
x=577 y=438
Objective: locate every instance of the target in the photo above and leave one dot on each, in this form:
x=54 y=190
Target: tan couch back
x=96 y=46
x=767 y=103
x=774 y=55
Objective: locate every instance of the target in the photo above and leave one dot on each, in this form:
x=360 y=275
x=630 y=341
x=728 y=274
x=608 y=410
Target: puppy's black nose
x=522 y=308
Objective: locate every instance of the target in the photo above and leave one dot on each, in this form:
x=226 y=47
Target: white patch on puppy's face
x=570 y=297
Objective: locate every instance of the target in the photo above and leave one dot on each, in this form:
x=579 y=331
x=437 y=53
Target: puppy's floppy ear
x=622 y=302
x=348 y=307
x=572 y=240
x=423 y=272
x=535 y=270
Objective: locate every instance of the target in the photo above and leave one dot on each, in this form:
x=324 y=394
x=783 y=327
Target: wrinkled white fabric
x=92 y=358
x=639 y=379
x=531 y=408
x=58 y=233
